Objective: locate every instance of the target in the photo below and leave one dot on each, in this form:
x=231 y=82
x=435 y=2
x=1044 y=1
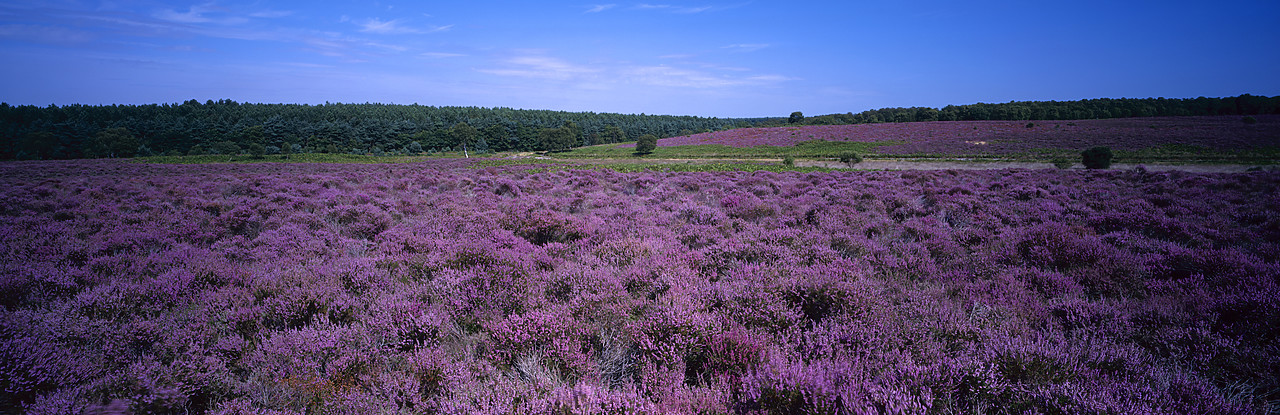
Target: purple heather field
x=1222 y=133
x=438 y=288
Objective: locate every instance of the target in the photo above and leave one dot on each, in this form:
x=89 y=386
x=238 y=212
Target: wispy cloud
x=692 y=10
x=615 y=75
x=271 y=14
x=199 y=14
x=308 y=65
x=669 y=76
x=396 y=27
x=44 y=34
x=676 y=77
x=746 y=47
x=541 y=67
x=156 y=30
x=600 y=7
x=673 y=9
x=442 y=55
x=771 y=78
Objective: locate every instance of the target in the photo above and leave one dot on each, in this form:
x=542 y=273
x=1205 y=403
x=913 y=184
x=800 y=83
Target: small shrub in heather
x=850 y=158
x=437 y=288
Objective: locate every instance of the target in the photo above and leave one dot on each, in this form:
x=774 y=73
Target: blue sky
x=724 y=59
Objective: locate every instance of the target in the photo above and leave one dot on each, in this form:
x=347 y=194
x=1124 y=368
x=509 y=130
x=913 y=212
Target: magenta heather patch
x=1225 y=133
x=431 y=287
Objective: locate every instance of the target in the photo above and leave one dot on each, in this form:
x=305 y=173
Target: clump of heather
x=433 y=287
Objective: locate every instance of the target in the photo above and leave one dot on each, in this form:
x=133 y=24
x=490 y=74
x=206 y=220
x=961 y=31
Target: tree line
x=229 y=127
x=1054 y=110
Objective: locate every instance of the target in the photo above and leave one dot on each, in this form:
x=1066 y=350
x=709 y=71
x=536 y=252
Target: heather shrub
x=1096 y=158
x=543 y=227
x=361 y=221
x=747 y=206
x=435 y=288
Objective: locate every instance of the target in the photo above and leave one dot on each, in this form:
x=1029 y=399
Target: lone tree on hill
x=646 y=144
x=796 y=118
x=1096 y=158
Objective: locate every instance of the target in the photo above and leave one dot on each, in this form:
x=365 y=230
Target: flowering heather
x=1226 y=133
x=435 y=288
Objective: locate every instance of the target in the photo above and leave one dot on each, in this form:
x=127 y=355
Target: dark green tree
x=226 y=148
x=646 y=144
x=612 y=134
x=115 y=142
x=528 y=138
x=796 y=118
x=256 y=150
x=575 y=133
x=463 y=134
x=37 y=145
x=497 y=137
x=253 y=134
x=1096 y=158
x=558 y=139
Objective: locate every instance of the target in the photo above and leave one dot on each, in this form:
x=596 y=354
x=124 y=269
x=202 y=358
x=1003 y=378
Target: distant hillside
x=1222 y=138
x=1054 y=110
x=1223 y=134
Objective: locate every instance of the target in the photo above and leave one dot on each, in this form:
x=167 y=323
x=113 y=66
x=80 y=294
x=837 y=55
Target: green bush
x=789 y=161
x=1249 y=119
x=1062 y=163
x=646 y=144
x=1096 y=158
x=850 y=158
